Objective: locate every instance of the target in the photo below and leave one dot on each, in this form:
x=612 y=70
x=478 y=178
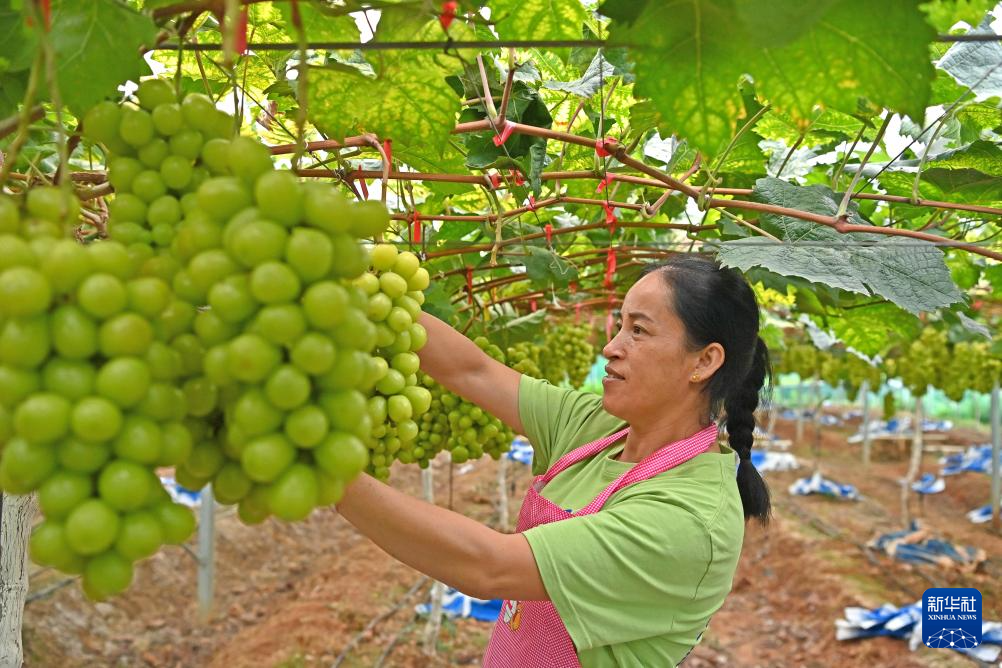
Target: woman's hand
x=445 y=545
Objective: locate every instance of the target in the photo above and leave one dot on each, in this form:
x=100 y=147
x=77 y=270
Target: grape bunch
x=525 y=357
x=88 y=400
x=158 y=156
x=970 y=368
x=281 y=335
x=801 y=359
x=923 y=361
x=567 y=354
x=461 y=427
x=393 y=287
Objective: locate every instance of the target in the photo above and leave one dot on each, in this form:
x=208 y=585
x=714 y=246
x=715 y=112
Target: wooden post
x=914 y=465
x=15 y=531
x=865 y=391
x=206 y=553
x=996 y=453
x=503 y=518
x=431 y=629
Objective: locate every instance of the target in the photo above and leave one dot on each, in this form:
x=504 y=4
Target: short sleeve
x=547 y=413
x=616 y=575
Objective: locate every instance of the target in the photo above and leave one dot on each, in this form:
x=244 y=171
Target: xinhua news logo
x=951 y=618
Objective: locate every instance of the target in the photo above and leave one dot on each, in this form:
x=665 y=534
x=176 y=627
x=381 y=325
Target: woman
x=628 y=544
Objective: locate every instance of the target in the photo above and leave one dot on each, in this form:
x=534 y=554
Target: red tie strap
x=388 y=150
x=532 y=305
x=610 y=267
x=241 y=33
x=577 y=313
x=573 y=287
x=495 y=180
x=516 y=176
x=416 y=227
x=610 y=217
x=548 y=228
x=532 y=203
x=506 y=131
x=600 y=147
x=448 y=13
x=469 y=283
x=605 y=182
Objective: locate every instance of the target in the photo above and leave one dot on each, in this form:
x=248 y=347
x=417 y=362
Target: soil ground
x=298 y=595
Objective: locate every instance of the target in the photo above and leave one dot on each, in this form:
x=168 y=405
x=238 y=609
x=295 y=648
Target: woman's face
x=649 y=366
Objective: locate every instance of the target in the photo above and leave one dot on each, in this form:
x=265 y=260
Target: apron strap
x=585 y=451
x=661 y=460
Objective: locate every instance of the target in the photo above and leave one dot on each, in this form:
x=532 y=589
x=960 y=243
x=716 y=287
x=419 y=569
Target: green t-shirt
x=635 y=583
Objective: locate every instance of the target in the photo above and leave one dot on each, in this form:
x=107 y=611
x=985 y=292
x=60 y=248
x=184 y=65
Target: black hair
x=717 y=305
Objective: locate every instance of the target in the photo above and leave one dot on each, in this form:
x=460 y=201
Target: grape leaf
x=948 y=185
x=545 y=268
x=539 y=19
x=591 y=81
x=909 y=273
x=408 y=101
x=97 y=46
x=688 y=65
x=858 y=49
x=873 y=329
x=977 y=65
x=320 y=25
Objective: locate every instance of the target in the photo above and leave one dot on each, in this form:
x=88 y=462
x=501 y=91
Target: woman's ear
x=710 y=359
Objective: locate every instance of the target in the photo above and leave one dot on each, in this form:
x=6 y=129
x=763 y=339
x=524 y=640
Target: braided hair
x=716 y=305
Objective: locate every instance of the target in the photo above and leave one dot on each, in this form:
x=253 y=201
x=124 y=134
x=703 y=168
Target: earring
x=695 y=378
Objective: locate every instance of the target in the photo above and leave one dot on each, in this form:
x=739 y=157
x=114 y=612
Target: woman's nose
x=611 y=349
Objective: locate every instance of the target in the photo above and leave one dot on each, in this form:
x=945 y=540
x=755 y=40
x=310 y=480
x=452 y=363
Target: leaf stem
x=843 y=206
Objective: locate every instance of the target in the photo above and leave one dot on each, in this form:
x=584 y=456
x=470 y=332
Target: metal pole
x=800 y=412
x=865 y=391
x=206 y=553
x=431 y=629
x=503 y=493
x=996 y=453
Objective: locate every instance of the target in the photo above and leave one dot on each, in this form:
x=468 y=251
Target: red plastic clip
x=532 y=305
x=241 y=34
x=532 y=203
x=610 y=267
x=46 y=6
x=495 y=179
x=448 y=13
x=469 y=283
x=610 y=217
x=364 y=187
x=505 y=133
x=605 y=182
x=600 y=147
x=416 y=226
x=388 y=149
x=577 y=313
x=516 y=176
x=549 y=234
x=573 y=287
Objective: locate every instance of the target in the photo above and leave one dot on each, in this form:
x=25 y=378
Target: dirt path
x=295 y=595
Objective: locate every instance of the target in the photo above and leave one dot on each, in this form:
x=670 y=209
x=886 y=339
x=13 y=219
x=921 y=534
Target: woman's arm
x=459 y=365
x=451 y=548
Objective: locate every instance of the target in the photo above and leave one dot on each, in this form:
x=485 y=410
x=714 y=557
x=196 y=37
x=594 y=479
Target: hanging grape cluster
x=526 y=357
x=567 y=354
x=88 y=395
x=394 y=287
x=456 y=425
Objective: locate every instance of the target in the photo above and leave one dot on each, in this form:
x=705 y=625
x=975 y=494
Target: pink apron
x=530 y=633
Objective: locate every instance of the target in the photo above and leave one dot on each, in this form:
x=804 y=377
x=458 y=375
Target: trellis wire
x=471 y=44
